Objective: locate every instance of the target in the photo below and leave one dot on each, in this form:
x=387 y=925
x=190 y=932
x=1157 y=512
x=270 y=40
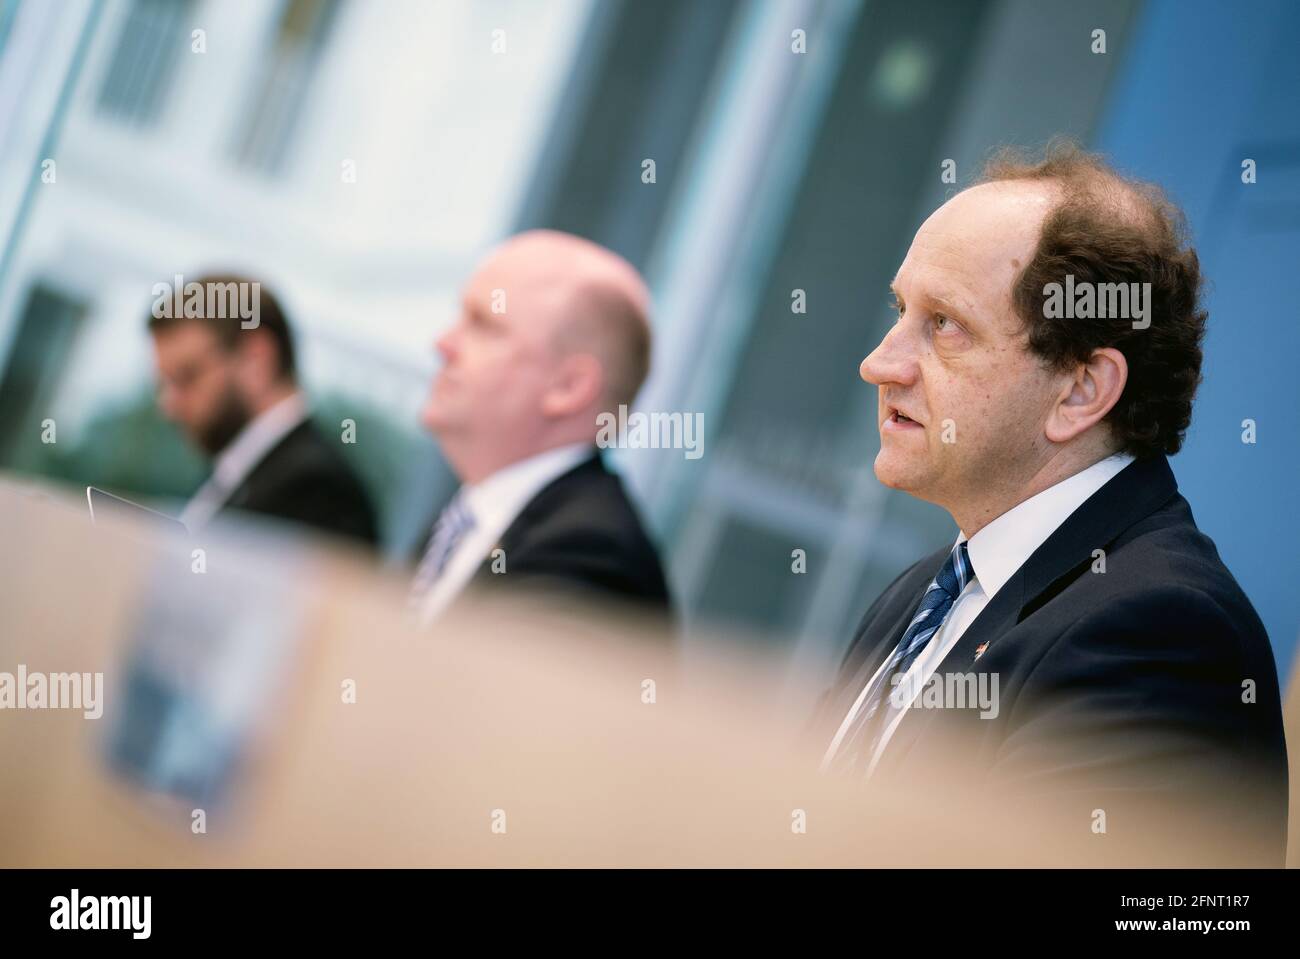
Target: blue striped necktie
x=453 y=523
x=858 y=744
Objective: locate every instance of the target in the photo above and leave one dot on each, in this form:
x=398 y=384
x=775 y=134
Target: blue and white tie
x=852 y=751
x=453 y=523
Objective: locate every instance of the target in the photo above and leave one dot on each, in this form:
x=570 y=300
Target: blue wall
x=1204 y=85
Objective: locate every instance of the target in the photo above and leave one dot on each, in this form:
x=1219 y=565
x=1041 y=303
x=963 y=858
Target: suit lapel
x=250 y=486
x=1134 y=493
x=897 y=614
x=517 y=532
x=243 y=493
x=995 y=620
x=877 y=656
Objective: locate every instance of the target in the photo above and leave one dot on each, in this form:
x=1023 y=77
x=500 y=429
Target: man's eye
x=940 y=320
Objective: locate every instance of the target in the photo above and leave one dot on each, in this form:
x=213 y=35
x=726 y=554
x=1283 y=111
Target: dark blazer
x=304 y=479
x=1118 y=689
x=581 y=534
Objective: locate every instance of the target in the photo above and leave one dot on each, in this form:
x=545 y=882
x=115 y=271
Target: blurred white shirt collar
x=259 y=437
x=249 y=447
x=996 y=552
x=495 y=503
x=1004 y=545
x=498 y=499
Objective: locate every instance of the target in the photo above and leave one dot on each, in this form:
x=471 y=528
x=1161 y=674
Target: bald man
x=553 y=330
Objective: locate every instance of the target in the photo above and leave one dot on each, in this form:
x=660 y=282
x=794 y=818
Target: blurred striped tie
x=453 y=523
x=853 y=751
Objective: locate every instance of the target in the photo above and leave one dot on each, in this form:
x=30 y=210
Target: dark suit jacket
x=1117 y=689
x=304 y=479
x=581 y=535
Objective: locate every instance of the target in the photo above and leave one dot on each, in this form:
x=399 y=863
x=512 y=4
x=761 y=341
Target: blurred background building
x=360 y=156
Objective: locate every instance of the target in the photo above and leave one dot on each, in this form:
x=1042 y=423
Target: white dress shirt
x=495 y=503
x=996 y=552
x=240 y=457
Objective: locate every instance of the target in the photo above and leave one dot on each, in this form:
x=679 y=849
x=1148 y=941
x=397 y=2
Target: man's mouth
x=897 y=420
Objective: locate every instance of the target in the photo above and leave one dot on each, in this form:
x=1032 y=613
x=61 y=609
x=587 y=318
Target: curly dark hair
x=1105 y=229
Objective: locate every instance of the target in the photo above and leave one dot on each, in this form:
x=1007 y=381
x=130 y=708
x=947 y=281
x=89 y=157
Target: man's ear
x=259 y=358
x=578 y=384
x=1091 y=392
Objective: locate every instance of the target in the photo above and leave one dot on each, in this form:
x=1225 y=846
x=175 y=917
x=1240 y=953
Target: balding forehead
x=968 y=253
x=982 y=225
x=553 y=270
x=570 y=255
x=1011 y=204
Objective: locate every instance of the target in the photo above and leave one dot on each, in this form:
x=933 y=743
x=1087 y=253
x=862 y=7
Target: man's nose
x=446 y=345
x=167 y=400
x=893 y=361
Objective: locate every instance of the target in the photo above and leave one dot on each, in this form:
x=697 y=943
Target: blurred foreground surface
x=278 y=688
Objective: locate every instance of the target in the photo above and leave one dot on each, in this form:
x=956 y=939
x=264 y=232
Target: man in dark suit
x=582 y=528
x=1081 y=644
x=227 y=377
x=553 y=330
